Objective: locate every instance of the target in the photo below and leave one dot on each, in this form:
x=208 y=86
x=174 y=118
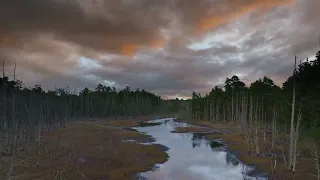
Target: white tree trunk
x=296 y=141
x=292 y=128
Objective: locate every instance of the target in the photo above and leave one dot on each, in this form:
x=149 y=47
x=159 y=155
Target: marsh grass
x=191 y=130
x=236 y=142
x=86 y=151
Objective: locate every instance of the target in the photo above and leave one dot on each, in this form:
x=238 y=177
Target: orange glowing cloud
x=129 y=49
x=6 y=40
x=158 y=43
x=209 y=22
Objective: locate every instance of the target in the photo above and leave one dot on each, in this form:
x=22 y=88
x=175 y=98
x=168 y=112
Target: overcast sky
x=169 y=47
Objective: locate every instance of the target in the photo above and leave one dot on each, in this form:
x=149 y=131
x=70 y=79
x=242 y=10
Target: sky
x=169 y=47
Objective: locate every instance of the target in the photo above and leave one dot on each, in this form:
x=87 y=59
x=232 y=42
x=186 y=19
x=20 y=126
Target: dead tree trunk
x=292 y=128
x=316 y=160
x=274 y=126
x=296 y=137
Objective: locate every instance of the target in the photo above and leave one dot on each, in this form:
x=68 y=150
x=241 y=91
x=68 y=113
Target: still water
x=191 y=157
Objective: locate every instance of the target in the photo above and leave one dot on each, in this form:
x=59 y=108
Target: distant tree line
x=175 y=107
x=25 y=112
x=226 y=104
x=264 y=108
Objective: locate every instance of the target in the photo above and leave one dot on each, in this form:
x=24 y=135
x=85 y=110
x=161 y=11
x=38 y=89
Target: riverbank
x=237 y=144
x=86 y=150
x=191 y=130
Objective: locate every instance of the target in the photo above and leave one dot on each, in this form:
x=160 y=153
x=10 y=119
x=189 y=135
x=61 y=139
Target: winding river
x=191 y=157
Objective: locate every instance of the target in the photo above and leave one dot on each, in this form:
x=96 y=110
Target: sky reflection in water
x=190 y=158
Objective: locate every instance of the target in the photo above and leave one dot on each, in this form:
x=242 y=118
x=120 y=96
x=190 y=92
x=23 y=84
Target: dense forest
x=228 y=104
x=269 y=113
x=25 y=112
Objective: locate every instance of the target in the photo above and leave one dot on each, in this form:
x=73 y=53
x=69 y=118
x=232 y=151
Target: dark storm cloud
x=145 y=42
x=177 y=74
x=118 y=25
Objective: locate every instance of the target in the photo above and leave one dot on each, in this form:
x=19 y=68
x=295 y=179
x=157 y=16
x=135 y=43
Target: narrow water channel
x=191 y=157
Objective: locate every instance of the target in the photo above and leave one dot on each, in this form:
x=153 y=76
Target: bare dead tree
x=292 y=126
x=256 y=120
x=296 y=137
x=232 y=107
x=3 y=70
x=244 y=122
x=14 y=72
x=274 y=126
x=282 y=149
x=273 y=165
x=316 y=160
x=251 y=119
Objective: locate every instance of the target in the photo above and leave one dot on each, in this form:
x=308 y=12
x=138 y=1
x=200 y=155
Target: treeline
x=263 y=102
x=175 y=107
x=269 y=116
x=25 y=112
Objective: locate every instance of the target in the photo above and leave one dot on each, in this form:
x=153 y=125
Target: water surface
x=191 y=157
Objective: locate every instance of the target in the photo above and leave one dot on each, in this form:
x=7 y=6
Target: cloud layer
x=168 y=47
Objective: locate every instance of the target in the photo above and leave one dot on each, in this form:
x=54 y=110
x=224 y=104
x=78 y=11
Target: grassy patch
x=228 y=137
x=208 y=124
x=190 y=129
x=122 y=123
x=237 y=143
x=146 y=124
x=127 y=123
x=86 y=149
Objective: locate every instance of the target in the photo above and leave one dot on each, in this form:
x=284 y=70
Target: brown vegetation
x=236 y=142
x=128 y=122
x=191 y=129
x=84 y=150
x=122 y=123
x=210 y=125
